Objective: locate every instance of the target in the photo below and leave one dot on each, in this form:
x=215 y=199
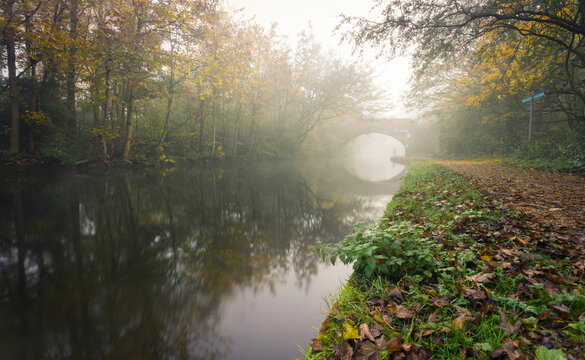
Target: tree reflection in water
x=138 y=265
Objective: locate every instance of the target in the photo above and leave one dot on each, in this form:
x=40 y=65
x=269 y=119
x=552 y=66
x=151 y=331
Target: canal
x=199 y=262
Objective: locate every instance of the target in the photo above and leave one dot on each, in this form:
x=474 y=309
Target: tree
x=327 y=88
x=10 y=33
x=439 y=30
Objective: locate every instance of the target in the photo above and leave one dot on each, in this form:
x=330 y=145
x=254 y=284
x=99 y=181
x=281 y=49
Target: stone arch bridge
x=399 y=128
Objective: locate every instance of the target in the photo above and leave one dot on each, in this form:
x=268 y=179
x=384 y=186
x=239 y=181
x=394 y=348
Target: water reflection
x=371 y=157
x=210 y=263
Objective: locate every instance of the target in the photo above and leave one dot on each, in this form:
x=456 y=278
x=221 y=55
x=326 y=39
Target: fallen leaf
x=506 y=327
x=375 y=329
x=344 y=351
x=434 y=316
x=542 y=353
x=367 y=350
x=393 y=345
x=417 y=352
x=482 y=278
x=403 y=313
x=350 y=332
x=428 y=332
x=475 y=294
x=376 y=301
x=396 y=296
x=509 y=348
x=561 y=308
x=365 y=332
x=462 y=316
x=442 y=301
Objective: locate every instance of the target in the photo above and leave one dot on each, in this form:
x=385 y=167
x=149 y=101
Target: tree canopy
x=476 y=60
x=140 y=80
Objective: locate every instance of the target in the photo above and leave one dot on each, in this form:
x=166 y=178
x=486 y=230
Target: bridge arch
x=397 y=128
x=375 y=145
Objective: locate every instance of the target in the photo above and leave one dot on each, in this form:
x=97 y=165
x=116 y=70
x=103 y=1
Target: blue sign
x=533 y=97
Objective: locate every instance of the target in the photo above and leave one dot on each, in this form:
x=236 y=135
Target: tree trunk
x=129 y=122
x=170 y=97
x=201 y=121
x=32 y=100
x=214 y=130
x=253 y=128
x=106 y=110
x=71 y=68
x=13 y=94
x=238 y=114
x=167 y=121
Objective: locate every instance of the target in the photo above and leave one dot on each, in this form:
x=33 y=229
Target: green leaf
x=542 y=353
x=487 y=347
x=332 y=259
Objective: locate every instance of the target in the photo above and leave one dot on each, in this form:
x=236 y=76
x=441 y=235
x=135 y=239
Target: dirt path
x=555 y=200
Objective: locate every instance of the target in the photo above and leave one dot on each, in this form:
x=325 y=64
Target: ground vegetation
x=464 y=270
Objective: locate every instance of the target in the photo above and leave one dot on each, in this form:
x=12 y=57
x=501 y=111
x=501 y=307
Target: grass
x=449 y=275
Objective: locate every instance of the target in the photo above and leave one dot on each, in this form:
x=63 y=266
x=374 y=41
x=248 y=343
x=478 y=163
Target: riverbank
x=462 y=270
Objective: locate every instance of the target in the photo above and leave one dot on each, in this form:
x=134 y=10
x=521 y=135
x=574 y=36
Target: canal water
x=200 y=262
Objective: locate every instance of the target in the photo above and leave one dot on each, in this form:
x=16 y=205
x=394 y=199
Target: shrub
x=562 y=150
x=394 y=252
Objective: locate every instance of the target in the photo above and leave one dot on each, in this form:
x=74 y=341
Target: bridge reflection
x=361 y=184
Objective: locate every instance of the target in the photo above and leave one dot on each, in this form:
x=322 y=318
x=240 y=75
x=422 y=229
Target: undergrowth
x=562 y=150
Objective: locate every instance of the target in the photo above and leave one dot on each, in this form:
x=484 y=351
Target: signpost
x=531 y=99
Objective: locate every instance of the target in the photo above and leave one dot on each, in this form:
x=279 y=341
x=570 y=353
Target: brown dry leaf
x=365 y=332
x=367 y=350
x=434 y=316
x=462 y=316
x=561 y=308
x=509 y=348
x=376 y=329
x=396 y=296
x=393 y=345
x=344 y=351
x=507 y=328
x=482 y=278
x=428 y=332
x=531 y=272
x=417 y=352
x=376 y=301
x=403 y=313
x=462 y=311
x=505 y=265
x=391 y=308
x=475 y=294
x=381 y=342
x=442 y=301
x=460 y=321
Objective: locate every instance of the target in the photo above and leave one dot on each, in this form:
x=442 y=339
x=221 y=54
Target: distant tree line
x=140 y=80
x=475 y=60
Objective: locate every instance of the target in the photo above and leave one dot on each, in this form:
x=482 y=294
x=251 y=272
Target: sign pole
x=530 y=123
x=531 y=99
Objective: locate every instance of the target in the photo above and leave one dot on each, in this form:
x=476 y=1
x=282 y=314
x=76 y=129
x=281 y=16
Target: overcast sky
x=294 y=16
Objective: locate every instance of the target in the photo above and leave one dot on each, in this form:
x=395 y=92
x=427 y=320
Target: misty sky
x=294 y=16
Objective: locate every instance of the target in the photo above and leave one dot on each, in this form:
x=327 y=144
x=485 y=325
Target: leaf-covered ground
x=554 y=200
x=506 y=280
